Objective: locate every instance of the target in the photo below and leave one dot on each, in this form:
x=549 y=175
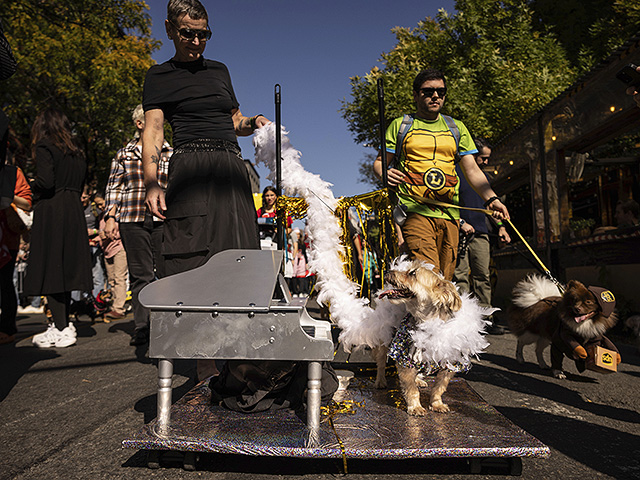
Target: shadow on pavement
x=545 y=388
x=18 y=360
x=603 y=449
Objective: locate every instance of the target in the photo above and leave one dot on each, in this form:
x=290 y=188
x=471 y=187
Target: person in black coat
x=60 y=260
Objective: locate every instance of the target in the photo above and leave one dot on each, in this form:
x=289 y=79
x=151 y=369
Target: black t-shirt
x=196 y=97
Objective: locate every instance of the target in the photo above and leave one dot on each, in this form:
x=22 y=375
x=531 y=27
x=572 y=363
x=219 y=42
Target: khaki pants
x=434 y=240
x=117 y=273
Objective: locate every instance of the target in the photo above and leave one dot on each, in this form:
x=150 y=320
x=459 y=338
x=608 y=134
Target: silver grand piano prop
x=236 y=306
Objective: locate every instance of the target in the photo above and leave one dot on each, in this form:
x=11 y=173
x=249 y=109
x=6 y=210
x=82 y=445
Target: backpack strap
x=407 y=121
x=453 y=128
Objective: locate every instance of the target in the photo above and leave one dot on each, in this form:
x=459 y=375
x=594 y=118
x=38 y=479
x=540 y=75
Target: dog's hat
x=605 y=298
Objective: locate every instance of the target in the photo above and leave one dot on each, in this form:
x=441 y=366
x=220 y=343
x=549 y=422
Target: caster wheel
x=189 y=461
x=475 y=466
x=515 y=466
x=153 y=459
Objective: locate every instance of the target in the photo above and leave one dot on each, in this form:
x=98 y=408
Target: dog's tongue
x=395 y=293
x=582 y=318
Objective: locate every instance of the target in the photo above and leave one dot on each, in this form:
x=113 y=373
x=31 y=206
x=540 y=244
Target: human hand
x=395 y=177
x=261 y=121
x=499 y=210
x=467 y=228
x=155 y=201
x=503 y=235
x=110 y=228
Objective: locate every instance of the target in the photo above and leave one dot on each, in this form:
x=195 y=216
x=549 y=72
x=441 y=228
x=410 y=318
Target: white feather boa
x=442 y=342
x=456 y=340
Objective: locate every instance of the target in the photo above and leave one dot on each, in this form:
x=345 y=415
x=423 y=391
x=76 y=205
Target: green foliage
x=367 y=175
x=86 y=57
x=499 y=70
x=577 y=223
x=589 y=30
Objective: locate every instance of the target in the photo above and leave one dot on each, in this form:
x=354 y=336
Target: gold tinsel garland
x=376 y=202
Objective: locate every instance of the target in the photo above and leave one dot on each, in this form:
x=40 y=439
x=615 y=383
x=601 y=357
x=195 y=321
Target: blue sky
x=310 y=48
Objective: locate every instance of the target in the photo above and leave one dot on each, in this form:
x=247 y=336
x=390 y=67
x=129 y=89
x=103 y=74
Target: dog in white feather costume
x=424 y=324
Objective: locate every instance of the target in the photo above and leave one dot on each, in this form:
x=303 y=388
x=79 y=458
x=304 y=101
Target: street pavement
x=64 y=413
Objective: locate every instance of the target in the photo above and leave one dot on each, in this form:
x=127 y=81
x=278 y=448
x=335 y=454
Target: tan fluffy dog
x=427 y=297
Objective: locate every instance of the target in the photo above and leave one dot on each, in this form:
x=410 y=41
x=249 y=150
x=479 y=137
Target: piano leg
x=313 y=401
x=165 y=374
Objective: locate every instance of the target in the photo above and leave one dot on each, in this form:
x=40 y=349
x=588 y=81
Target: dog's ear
x=446 y=297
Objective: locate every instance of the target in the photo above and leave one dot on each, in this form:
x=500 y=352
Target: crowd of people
x=154 y=221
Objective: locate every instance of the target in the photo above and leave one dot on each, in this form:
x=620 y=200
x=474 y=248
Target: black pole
x=383 y=150
x=280 y=232
x=545 y=191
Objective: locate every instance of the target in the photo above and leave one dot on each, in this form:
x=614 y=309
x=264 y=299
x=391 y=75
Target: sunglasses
x=188 y=34
x=428 y=92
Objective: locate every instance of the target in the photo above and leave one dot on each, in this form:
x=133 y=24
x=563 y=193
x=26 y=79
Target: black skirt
x=209 y=205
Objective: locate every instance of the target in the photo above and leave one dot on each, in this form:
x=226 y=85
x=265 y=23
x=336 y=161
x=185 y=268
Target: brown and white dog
x=428 y=297
x=540 y=314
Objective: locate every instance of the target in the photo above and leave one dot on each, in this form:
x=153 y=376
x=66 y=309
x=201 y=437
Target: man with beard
x=423 y=154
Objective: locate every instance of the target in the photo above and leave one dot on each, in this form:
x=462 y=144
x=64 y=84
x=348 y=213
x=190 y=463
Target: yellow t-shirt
x=428 y=159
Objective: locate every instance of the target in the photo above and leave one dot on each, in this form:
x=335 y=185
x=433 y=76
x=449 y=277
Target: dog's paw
x=544 y=366
x=417 y=411
x=439 y=407
x=520 y=358
x=558 y=374
x=421 y=383
x=380 y=383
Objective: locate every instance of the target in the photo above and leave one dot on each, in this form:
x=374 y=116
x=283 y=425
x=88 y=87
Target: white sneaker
x=31 y=310
x=67 y=338
x=55 y=338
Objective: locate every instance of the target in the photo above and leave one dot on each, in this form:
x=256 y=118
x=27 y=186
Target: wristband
x=252 y=120
x=491 y=200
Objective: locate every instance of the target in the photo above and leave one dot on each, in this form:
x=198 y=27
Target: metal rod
x=165 y=383
x=545 y=190
x=383 y=150
x=314 y=398
x=280 y=230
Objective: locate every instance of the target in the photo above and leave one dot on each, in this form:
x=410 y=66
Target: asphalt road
x=64 y=413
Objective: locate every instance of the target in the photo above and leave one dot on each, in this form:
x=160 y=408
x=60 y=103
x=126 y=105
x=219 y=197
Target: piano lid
x=231 y=280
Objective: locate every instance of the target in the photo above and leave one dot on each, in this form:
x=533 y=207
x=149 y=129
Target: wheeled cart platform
x=377 y=427
x=238 y=306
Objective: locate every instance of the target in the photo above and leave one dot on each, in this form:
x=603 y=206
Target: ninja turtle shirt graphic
x=428 y=158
